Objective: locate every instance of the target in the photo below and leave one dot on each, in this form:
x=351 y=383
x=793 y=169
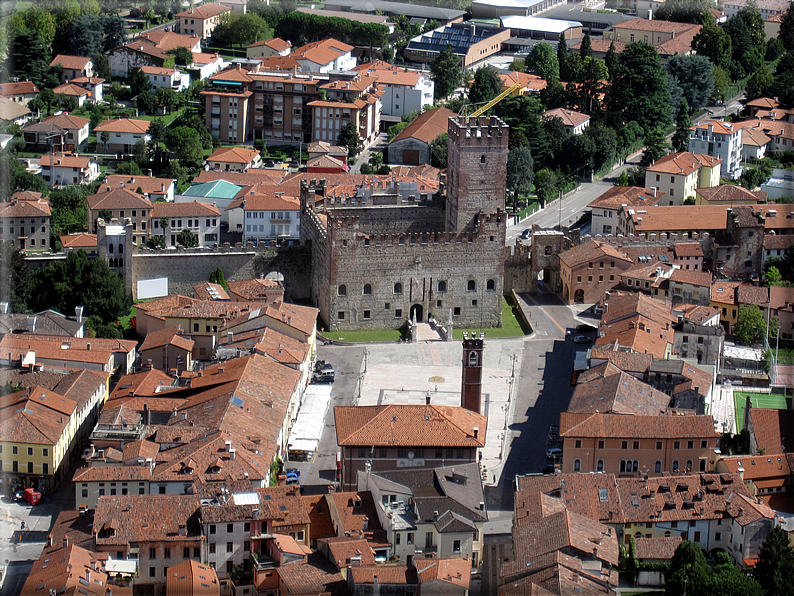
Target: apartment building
x=150 y=187
x=200 y=20
x=202 y=219
x=149 y=49
x=121 y=203
x=680 y=174
x=269 y=216
x=589 y=269
x=325 y=56
x=719 y=139
x=59 y=169
x=669 y=38
x=605 y=210
x=166 y=78
x=25 y=224
x=404 y=91
x=405 y=436
x=356 y=100
x=631 y=444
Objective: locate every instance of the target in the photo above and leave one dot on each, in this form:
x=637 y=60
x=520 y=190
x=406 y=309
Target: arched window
x=600 y=465
x=442 y=286
x=341 y=290
x=398 y=288
x=110 y=248
x=472 y=358
x=490 y=285
x=667 y=534
x=675 y=465
x=121 y=248
x=471 y=286
x=367 y=289
x=657 y=467
x=577 y=465
x=689 y=465
x=638 y=535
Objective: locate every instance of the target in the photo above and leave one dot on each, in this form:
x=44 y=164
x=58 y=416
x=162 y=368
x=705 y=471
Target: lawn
x=167 y=119
x=510 y=325
x=769 y=401
x=376 y=335
x=126 y=329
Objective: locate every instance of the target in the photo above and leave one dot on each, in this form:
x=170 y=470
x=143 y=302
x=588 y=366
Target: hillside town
x=520 y=320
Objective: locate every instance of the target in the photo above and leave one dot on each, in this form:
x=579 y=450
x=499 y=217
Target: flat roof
x=538 y=24
x=414 y=10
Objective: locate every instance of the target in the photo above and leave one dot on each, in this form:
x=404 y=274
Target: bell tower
x=476 y=170
x=471 y=388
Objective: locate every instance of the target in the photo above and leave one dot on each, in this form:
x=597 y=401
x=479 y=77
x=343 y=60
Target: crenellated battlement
x=482 y=130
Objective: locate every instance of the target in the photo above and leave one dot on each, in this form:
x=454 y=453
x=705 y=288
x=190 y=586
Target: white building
x=200 y=218
x=270 y=216
x=205 y=65
x=166 y=78
x=325 y=56
x=68 y=169
x=124 y=133
x=575 y=122
x=404 y=91
x=719 y=139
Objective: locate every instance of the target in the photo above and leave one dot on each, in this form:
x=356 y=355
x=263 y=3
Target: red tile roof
x=21 y=88
x=191 y=578
x=165 y=337
x=568 y=117
x=204 y=11
x=118 y=198
x=233 y=155
x=185 y=209
x=71 y=62
x=592 y=250
x=758 y=467
x=635 y=426
x=772 y=429
x=682 y=162
x=124 y=125
x=617 y=196
x=427 y=126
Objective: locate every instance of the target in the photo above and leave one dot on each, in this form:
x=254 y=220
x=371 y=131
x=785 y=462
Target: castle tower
x=476 y=170
x=471 y=389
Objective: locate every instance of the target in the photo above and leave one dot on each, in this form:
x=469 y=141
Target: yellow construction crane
x=480 y=111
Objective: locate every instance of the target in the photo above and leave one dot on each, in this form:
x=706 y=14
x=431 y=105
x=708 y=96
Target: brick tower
x=471 y=389
x=476 y=170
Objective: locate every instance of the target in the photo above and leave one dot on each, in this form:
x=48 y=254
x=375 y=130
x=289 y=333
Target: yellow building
x=723 y=297
x=680 y=174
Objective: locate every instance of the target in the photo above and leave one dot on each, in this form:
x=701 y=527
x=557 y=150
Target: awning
x=308 y=427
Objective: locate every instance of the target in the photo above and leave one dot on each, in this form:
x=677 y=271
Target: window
x=702 y=466
x=690 y=444
x=398 y=313
x=230 y=547
x=659 y=445
x=675 y=465
x=85 y=493
x=577 y=443
x=627 y=466
x=14 y=450
x=442 y=286
x=30 y=467
x=341 y=290
x=212 y=528
x=30 y=450
x=490 y=285
x=212 y=548
x=340 y=315
x=482 y=159
x=456 y=311
x=676 y=444
x=152 y=571
x=577 y=465
x=657 y=467
x=230 y=528
x=367 y=289
x=186 y=552
x=167 y=553
x=456 y=546
x=636 y=445
x=471 y=286
x=366 y=314
x=398 y=288
x=152 y=553
x=601 y=444
x=689 y=464
x=600 y=465
x=624 y=444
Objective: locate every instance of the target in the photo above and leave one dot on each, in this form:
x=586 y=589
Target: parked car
x=581 y=339
x=294 y=471
x=554 y=452
x=526 y=234
x=585 y=328
x=325 y=376
x=292 y=479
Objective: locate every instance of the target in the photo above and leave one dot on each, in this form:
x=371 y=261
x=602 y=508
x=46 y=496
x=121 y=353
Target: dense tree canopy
x=542 y=61
x=714 y=43
x=520 y=172
x=185 y=143
x=240 y=29
x=775 y=567
x=486 y=85
x=695 y=77
x=447 y=73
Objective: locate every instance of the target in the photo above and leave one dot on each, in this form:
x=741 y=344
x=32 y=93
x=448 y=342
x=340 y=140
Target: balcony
x=261 y=562
x=428 y=550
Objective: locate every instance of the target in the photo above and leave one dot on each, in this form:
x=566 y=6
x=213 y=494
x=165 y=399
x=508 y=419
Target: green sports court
x=770 y=401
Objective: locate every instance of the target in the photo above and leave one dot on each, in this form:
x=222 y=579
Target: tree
x=786 y=32
x=639 y=89
x=155 y=241
x=240 y=29
x=520 y=172
x=546 y=185
x=611 y=59
x=169 y=99
x=562 y=58
x=129 y=168
x=759 y=83
x=139 y=151
x=486 y=85
x=31 y=56
x=682 y=124
x=623 y=179
x=87 y=35
x=774 y=49
x=773 y=277
x=656 y=146
x=542 y=61
x=632 y=563
x=105 y=138
x=586 y=49
x=447 y=73
x=217 y=277
x=47 y=97
x=727 y=580
x=775 y=564
x=147 y=102
x=348 y=137
x=139 y=81
x=750 y=324
x=783 y=87
x=102 y=67
x=69 y=211
x=35 y=19
x=182 y=55
x=688 y=572
x=554 y=95
x=78 y=281
x=684 y=11
x=18 y=279
x=187 y=239
x=721 y=81
x=438 y=150
x=185 y=143
x=695 y=76
x=713 y=43
x=605 y=140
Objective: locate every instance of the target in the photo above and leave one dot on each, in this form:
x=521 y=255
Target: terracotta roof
x=113 y=474
x=409 y=425
x=118 y=198
x=70 y=89
x=204 y=11
x=148 y=184
x=326 y=147
x=67 y=121
x=185 y=209
x=618 y=393
x=71 y=62
x=191 y=578
x=11 y=110
x=763 y=102
x=568 y=117
x=750 y=294
x=626 y=361
x=16 y=208
x=673 y=218
x=119 y=520
x=617 y=196
x=230 y=74
x=745 y=510
x=314 y=576
x=772 y=429
x=68 y=570
x=319 y=516
x=88 y=80
x=427 y=126
x=530 y=82
x=322 y=52
x=781 y=297
x=124 y=125
x=687 y=249
x=158 y=70
x=326 y=161
x=751 y=136
x=689 y=276
x=757 y=467
x=78 y=241
x=591 y=250
x=635 y=426
x=455 y=572
x=682 y=162
x=731 y=193
x=36 y=416
x=254 y=176
x=15 y=347
x=209 y=291
x=384 y=574
x=254 y=289
x=165 y=337
x=276 y=43
x=26 y=195
x=718 y=126
x=343 y=550
x=302 y=318
x=81 y=385
x=657 y=548
x=233 y=155
x=390 y=75
x=64 y=160
x=20 y=88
